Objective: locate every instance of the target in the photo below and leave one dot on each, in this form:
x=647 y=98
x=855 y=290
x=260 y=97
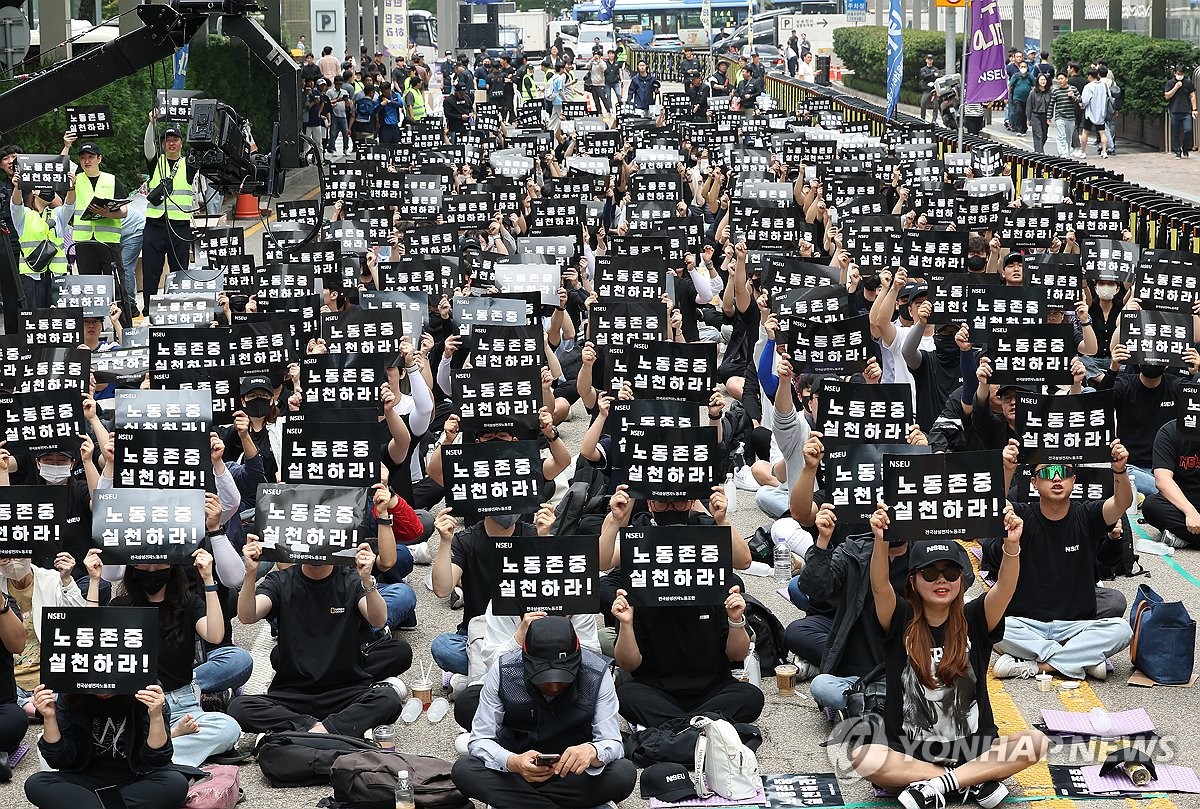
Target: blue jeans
x=339 y=126
x=1181 y=132
x=829 y=691
x=224 y=667
x=1068 y=646
x=131 y=249
x=798 y=598
x=774 y=501
x=449 y=651
x=1143 y=481
x=217 y=732
x=401 y=602
x=1064 y=128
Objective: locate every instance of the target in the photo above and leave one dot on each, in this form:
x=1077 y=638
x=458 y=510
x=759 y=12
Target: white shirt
x=805 y=72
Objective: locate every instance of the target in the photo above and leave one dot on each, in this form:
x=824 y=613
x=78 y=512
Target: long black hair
x=173 y=626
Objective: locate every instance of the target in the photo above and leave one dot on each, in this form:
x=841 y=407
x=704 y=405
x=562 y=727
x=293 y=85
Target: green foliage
x=863 y=49
x=129 y=98
x=225 y=69
x=1139 y=64
x=907 y=94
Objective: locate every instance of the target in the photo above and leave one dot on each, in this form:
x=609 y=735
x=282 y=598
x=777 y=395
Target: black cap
x=1018 y=388
x=913 y=290
x=258 y=382
x=89 y=148
x=171 y=132
x=1013 y=256
x=929 y=56
x=669 y=782
x=551 y=651
x=921 y=554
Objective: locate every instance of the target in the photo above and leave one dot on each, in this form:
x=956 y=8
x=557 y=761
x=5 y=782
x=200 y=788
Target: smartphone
x=110 y=798
x=542 y=760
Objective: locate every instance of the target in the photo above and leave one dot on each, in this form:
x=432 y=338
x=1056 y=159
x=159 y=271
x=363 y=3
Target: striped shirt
x=1062 y=105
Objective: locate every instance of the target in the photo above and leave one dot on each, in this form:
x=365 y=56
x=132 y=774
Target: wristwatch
x=554 y=437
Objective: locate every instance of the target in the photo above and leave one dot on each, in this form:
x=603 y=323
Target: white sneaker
x=420 y=553
x=458 y=683
x=806 y=670
x=396 y=683
x=460 y=742
x=1077 y=153
x=457 y=602
x=744 y=480
x=1170 y=539
x=1098 y=671
x=1007 y=666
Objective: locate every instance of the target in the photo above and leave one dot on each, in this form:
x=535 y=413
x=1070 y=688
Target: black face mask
x=945 y=347
x=671 y=517
x=151 y=581
x=1152 y=371
x=905 y=312
x=976 y=263
x=258 y=407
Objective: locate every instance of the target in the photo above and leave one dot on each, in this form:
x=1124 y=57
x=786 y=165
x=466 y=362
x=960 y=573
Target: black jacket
x=928 y=74
x=73 y=751
x=454 y=109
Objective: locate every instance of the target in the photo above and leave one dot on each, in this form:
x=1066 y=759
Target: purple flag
x=986 y=80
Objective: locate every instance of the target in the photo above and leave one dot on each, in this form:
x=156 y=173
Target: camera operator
x=168 y=234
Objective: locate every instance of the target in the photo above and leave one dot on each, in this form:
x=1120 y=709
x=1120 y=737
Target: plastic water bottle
x=783 y=563
x=1133 y=505
x=730 y=494
x=753 y=668
x=405 y=798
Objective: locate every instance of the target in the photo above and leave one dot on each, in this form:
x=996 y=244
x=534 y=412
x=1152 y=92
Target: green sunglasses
x=1062 y=471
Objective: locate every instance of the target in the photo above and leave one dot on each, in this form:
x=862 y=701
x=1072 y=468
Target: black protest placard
x=186 y=349
x=488 y=310
x=528 y=275
x=949 y=292
x=239 y=274
x=1091 y=484
x=652 y=413
x=304 y=212
x=426 y=274
x=260 y=348
x=122 y=366
x=659 y=186
x=342 y=379
x=99 y=650
x=287 y=280
x=1100 y=219
x=186 y=282
x=1004 y=305
x=513 y=163
x=470 y=210
x=494 y=477
x=44 y=421
x=806 y=789
x=924 y=251
x=90 y=293
x=840 y=188
x=854 y=478
x=668 y=370
x=837 y=347
x=316 y=525
x=1170 y=282
x=642 y=277
x=765 y=226
x=781 y=273
x=986 y=159
x=1027 y=228
x=163 y=459
x=1039 y=191
x=670 y=464
x=853 y=412
x=183 y=310
x=1031 y=354
x=168 y=410
x=221 y=242
x=983 y=186
x=46 y=368
x=669 y=566
x=377 y=331
x=1059 y=274
x=951 y=496
x=430 y=240
x=1065 y=429
x=823 y=304
x=32 y=519
x=42 y=171
x=870 y=238
x=497 y=398
x=1187 y=411
x=508 y=347
x=613 y=322
x=549 y=214
x=176 y=105
x=331 y=453
x=779 y=194
x=1157 y=338
x=352 y=236
x=148 y=526
x=90 y=121
x=1109 y=259
x=61 y=326
x=557 y=577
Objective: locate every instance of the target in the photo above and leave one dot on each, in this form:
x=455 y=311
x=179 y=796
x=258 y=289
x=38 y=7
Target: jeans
x=1068 y=646
x=449 y=651
x=340 y=127
x=131 y=249
x=217 y=732
x=774 y=501
x=226 y=667
x=1038 y=124
x=401 y=603
x=829 y=691
x=1064 y=129
x=1108 y=129
x=796 y=595
x=1181 y=132
x=1143 y=481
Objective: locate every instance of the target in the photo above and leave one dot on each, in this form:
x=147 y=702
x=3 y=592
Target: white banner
x=393 y=31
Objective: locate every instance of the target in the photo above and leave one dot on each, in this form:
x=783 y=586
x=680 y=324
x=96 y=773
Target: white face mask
x=54 y=474
x=15 y=569
x=1106 y=292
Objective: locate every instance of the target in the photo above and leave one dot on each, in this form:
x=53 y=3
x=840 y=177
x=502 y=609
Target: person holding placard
x=106 y=743
x=16 y=632
x=41 y=219
x=97 y=219
x=939 y=738
x=1173 y=508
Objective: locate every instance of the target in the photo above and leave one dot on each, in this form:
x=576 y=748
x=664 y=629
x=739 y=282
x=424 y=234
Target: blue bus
x=667 y=23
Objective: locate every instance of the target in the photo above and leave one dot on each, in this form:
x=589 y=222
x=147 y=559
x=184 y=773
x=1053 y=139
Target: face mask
x=671 y=517
x=151 y=581
x=1152 y=371
x=905 y=311
x=505 y=520
x=976 y=263
x=945 y=347
x=46 y=194
x=54 y=474
x=1178 y=77
x=15 y=569
x=1106 y=292
x=258 y=408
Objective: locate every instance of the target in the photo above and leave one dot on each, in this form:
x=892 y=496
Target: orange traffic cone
x=247 y=207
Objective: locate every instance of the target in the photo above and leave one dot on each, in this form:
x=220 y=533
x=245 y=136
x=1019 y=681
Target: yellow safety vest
x=178 y=204
x=107 y=230
x=36 y=228
x=415 y=100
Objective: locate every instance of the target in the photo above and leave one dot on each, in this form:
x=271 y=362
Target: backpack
x=367 y=780
x=1109 y=110
x=221 y=790
x=586 y=497
x=724 y=766
x=769 y=641
x=1117 y=96
x=1118 y=558
x=674 y=741
x=296 y=759
x=735 y=431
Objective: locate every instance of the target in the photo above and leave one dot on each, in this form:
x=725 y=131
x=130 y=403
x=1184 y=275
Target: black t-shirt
x=77 y=530
x=1141 y=411
x=685 y=300
x=1058 y=563
x=319 y=629
x=261 y=439
x=683 y=648
x=934 y=725
x=472 y=550
x=111 y=722
x=1181 y=456
x=740 y=351
x=1181 y=102
x=176 y=660
x=8 y=680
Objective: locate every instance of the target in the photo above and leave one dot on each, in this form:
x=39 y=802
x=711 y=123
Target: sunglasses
x=950 y=573
x=1062 y=471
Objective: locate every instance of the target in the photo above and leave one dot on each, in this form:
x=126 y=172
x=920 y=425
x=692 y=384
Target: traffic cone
x=247 y=207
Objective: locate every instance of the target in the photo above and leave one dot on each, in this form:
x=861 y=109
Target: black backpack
x=769 y=642
x=296 y=759
x=675 y=741
x=583 y=507
x=735 y=431
x=1115 y=559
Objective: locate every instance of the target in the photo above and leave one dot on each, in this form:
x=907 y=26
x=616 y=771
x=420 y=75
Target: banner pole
x=962 y=102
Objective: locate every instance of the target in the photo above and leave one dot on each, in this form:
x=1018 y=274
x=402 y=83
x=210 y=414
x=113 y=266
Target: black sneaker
x=5 y=769
x=989 y=794
x=921 y=796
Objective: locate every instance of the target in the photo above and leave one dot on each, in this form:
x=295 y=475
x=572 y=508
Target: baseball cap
x=913 y=290
x=929 y=56
x=551 y=651
x=1018 y=388
x=922 y=554
x=669 y=782
x=89 y=148
x=171 y=132
x=259 y=382
x=1013 y=256
x=322 y=81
